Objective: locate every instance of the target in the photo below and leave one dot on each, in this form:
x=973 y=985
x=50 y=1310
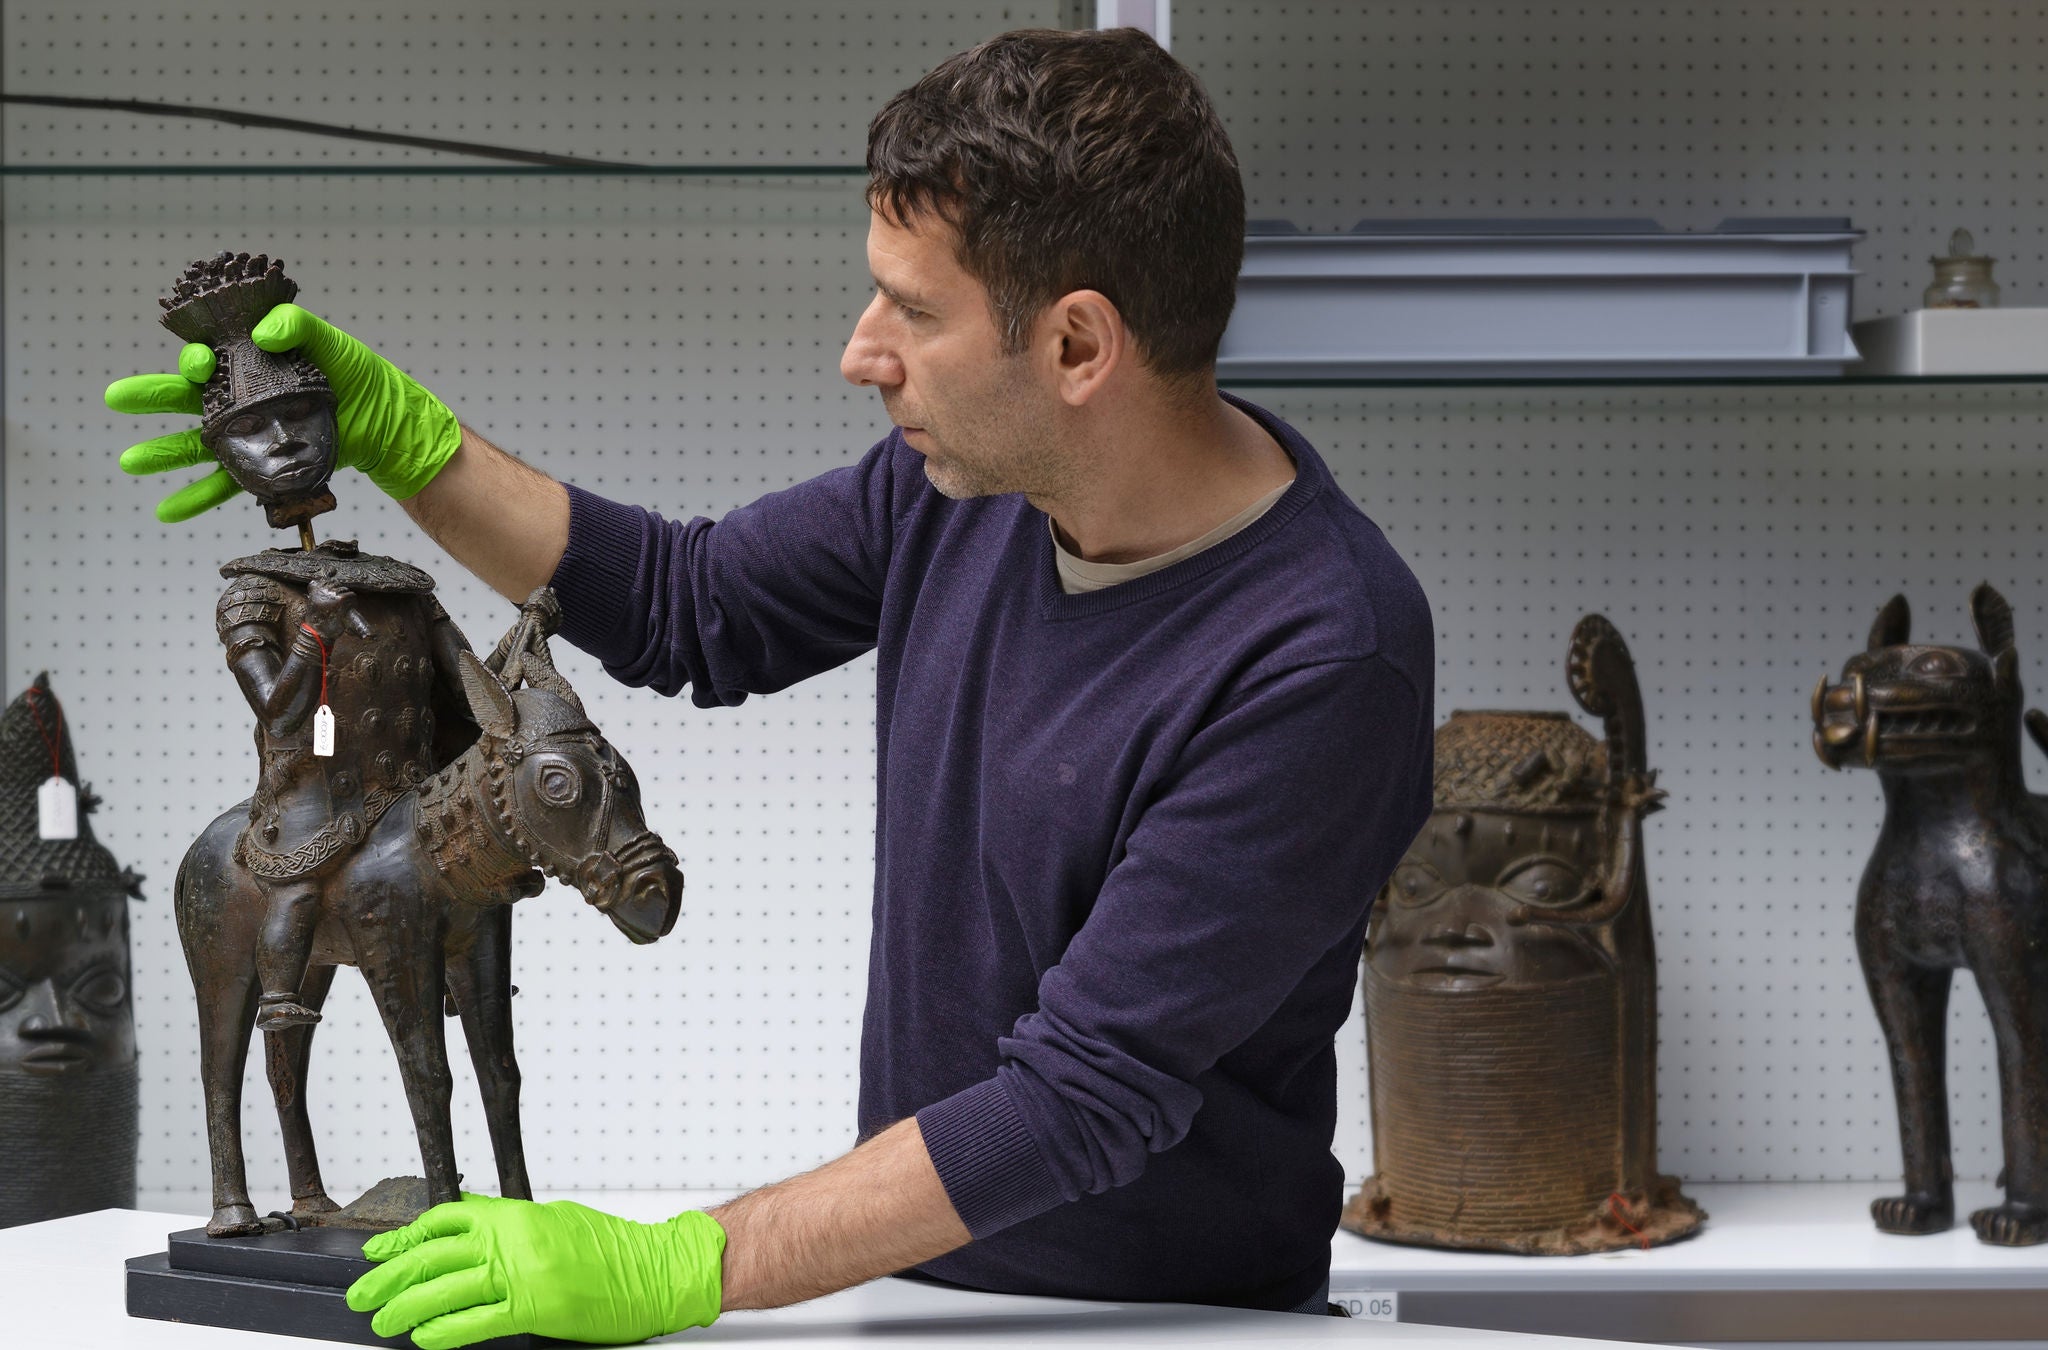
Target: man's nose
x=868 y=359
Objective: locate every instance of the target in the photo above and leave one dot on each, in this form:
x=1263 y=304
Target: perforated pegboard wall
x=1742 y=539
x=675 y=343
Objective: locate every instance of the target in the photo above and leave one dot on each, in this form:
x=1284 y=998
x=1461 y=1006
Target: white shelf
x=1783 y=1262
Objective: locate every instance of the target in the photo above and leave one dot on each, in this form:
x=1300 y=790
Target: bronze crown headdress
x=218 y=301
x=1518 y=761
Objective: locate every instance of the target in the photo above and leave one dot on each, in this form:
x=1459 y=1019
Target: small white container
x=1955 y=342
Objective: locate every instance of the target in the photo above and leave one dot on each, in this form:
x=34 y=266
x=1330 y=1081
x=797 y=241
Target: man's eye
x=907 y=312
x=242 y=426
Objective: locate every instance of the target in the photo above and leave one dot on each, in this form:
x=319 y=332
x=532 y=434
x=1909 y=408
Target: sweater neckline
x=1056 y=605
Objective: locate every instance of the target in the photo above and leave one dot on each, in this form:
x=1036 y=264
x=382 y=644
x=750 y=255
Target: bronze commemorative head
x=68 y=1105
x=1510 y=984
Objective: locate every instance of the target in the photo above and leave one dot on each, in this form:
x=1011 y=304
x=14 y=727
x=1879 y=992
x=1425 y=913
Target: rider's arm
x=282 y=689
x=279 y=672
x=502 y=519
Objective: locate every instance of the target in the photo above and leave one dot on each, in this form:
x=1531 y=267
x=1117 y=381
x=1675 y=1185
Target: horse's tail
x=199 y=891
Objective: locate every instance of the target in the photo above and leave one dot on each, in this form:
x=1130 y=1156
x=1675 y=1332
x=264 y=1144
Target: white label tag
x=1372 y=1307
x=57 y=809
x=323 y=731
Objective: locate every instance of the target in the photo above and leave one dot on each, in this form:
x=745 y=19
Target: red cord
x=1614 y=1204
x=53 y=743
x=314 y=633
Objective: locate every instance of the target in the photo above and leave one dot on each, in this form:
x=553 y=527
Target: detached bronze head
x=1510 y=988
x=268 y=417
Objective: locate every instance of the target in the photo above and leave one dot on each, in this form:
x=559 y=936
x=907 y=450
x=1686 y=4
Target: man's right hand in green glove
x=391 y=428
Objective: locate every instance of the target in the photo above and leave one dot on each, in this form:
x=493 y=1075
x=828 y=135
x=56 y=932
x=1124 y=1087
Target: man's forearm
x=878 y=1210
x=504 y=520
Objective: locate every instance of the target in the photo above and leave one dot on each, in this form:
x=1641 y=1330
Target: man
x=1152 y=718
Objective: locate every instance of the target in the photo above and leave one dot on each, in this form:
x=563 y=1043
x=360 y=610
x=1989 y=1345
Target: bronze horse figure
x=422 y=907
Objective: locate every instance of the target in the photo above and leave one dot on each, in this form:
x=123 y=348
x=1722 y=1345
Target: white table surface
x=62 y=1288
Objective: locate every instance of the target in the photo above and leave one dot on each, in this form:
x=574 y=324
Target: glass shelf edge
x=432 y=171
x=1650 y=382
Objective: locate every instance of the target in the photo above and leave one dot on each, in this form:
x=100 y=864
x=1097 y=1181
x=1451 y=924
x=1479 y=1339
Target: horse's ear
x=492 y=707
x=1894 y=623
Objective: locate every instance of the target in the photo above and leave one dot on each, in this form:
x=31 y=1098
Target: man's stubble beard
x=1012 y=445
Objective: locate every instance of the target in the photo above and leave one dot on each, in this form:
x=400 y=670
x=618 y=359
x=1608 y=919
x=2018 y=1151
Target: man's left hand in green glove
x=484 y=1267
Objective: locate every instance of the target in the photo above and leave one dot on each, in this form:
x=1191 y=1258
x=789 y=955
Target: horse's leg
x=481 y=980
x=285 y=1054
x=225 y=1020
x=216 y=905
x=402 y=963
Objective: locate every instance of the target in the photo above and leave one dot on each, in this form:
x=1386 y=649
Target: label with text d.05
x=1371 y=1307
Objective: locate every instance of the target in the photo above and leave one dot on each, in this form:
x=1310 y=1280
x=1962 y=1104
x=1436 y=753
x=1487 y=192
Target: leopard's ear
x=1994 y=620
x=1894 y=624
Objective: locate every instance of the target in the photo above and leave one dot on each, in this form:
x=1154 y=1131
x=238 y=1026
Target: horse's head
x=564 y=796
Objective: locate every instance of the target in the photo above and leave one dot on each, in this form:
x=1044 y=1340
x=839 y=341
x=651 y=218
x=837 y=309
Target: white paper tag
x=323 y=731
x=57 y=809
x=1371 y=1306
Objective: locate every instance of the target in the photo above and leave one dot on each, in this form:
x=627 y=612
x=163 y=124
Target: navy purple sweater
x=1124 y=849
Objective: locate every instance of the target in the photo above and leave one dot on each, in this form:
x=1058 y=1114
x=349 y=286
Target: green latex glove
x=390 y=427
x=485 y=1267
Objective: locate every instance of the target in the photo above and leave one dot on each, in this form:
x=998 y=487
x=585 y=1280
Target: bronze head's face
x=64 y=995
x=279 y=449
x=1447 y=918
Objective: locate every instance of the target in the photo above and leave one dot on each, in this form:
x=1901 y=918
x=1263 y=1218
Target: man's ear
x=1092 y=343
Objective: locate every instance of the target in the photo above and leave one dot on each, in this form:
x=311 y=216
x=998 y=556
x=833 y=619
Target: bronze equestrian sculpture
x=422 y=906
x=69 y=1117
x=1958 y=880
x=317 y=631
x=406 y=792
x=1510 y=984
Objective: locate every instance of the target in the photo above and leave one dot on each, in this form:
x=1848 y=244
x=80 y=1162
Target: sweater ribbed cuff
x=594 y=580
x=990 y=1165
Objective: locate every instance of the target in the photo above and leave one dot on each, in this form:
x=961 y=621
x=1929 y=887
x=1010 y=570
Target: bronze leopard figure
x=1958 y=881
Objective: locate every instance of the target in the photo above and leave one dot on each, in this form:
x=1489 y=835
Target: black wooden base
x=288 y=1284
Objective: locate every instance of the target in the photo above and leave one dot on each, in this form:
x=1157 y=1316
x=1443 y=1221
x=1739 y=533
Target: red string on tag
x=1614 y=1206
x=314 y=633
x=52 y=741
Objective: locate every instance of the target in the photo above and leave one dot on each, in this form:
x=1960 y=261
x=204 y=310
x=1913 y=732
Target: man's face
x=985 y=422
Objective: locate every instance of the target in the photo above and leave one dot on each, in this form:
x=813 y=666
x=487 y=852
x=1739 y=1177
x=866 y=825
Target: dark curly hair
x=1072 y=160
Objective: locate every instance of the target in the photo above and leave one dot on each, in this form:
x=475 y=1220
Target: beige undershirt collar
x=1078 y=575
